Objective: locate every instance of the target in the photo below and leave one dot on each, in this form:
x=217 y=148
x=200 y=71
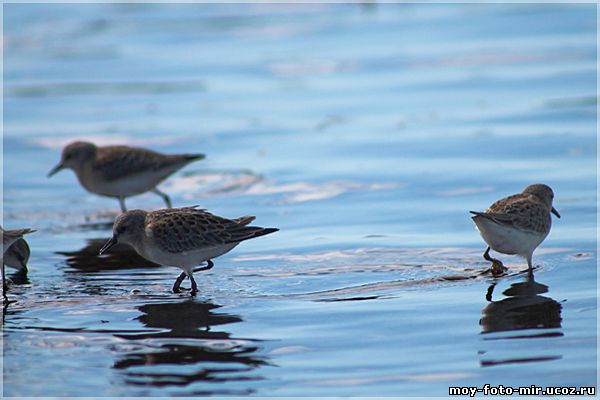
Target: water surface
x=365 y=133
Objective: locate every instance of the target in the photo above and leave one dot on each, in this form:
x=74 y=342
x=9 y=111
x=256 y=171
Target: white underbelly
x=506 y=239
x=184 y=260
x=127 y=186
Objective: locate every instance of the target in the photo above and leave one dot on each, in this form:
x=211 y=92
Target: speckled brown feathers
x=517 y=224
x=523 y=211
x=121 y=171
x=186 y=229
x=182 y=237
x=116 y=162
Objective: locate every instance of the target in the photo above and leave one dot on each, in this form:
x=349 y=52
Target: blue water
x=365 y=133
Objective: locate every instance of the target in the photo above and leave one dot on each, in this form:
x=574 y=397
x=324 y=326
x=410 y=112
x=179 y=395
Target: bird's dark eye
x=68 y=157
x=120 y=230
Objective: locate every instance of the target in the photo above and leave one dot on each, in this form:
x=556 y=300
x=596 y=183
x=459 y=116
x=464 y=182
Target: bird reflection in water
x=183 y=348
x=524 y=309
x=119 y=257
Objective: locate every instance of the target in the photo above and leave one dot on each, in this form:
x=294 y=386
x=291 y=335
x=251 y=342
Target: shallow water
x=365 y=133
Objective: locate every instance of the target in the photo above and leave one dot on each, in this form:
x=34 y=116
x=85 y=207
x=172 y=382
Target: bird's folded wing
x=119 y=161
x=530 y=217
x=245 y=220
x=167 y=211
x=195 y=229
x=499 y=218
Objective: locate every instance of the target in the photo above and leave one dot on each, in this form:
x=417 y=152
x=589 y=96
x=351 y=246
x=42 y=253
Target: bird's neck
x=84 y=175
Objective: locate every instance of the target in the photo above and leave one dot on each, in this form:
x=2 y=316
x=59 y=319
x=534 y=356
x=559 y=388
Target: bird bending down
x=15 y=251
x=121 y=171
x=182 y=237
x=516 y=224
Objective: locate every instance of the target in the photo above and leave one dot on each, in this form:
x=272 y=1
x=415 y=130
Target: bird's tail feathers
x=266 y=231
x=193 y=157
x=252 y=232
x=245 y=220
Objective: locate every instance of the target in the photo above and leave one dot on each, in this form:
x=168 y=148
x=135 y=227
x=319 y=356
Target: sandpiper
x=10 y=238
x=17 y=255
x=121 y=171
x=516 y=224
x=12 y=235
x=182 y=237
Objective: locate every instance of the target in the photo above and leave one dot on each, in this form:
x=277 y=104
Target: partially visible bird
x=12 y=235
x=121 y=171
x=517 y=224
x=13 y=251
x=17 y=255
x=182 y=237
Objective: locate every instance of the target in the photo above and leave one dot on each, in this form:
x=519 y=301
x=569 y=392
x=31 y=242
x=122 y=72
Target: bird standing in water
x=121 y=171
x=516 y=224
x=182 y=237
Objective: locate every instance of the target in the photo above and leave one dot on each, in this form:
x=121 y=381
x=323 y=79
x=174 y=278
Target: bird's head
x=544 y=193
x=128 y=229
x=74 y=155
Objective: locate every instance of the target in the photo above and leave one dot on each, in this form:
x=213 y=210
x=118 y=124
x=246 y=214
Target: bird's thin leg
x=4 y=287
x=529 y=263
x=122 y=203
x=194 y=286
x=486 y=255
x=497 y=267
x=530 y=278
x=209 y=265
x=4 y=310
x=178 y=281
x=164 y=196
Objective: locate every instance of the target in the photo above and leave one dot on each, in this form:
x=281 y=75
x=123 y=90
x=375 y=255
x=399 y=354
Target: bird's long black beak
x=111 y=242
x=54 y=170
x=553 y=211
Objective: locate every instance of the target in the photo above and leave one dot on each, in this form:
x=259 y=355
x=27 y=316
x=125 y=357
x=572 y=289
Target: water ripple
x=50 y=89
